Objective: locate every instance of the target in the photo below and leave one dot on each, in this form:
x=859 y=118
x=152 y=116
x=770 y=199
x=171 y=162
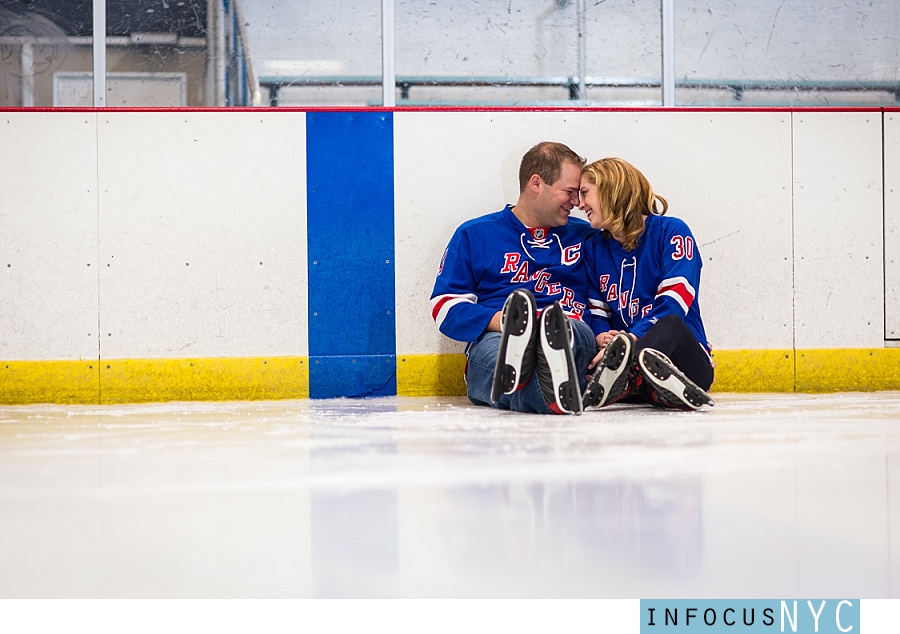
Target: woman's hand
x=603 y=340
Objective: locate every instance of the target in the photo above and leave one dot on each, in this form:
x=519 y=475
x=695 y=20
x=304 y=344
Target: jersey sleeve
x=600 y=312
x=454 y=302
x=679 y=278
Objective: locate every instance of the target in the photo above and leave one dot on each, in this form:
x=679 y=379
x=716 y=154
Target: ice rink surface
x=764 y=495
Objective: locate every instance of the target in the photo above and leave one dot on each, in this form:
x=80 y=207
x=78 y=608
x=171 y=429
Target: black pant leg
x=671 y=336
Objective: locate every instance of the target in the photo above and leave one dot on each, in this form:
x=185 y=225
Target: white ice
x=764 y=495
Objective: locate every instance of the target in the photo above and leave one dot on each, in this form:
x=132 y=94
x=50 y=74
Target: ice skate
x=665 y=385
x=556 y=363
x=518 y=345
x=613 y=378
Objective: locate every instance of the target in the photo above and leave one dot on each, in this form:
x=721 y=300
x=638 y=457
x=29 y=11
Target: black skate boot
x=613 y=377
x=664 y=385
x=518 y=345
x=556 y=364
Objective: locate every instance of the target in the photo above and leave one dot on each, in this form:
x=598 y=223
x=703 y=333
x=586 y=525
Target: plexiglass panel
x=529 y=43
x=479 y=52
x=777 y=53
x=525 y=51
x=39 y=40
x=316 y=53
x=158 y=54
x=624 y=48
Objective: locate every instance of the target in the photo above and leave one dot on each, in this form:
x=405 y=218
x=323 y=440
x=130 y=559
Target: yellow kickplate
x=845 y=370
x=65 y=382
x=209 y=379
x=737 y=371
x=431 y=375
x=753 y=371
x=263 y=378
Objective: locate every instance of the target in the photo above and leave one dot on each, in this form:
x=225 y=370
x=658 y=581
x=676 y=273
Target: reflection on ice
x=764 y=495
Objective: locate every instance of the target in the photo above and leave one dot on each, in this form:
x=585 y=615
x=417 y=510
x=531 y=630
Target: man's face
x=556 y=200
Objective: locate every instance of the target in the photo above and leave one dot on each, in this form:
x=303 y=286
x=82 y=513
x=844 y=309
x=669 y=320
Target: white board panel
x=203 y=234
x=838 y=230
x=48 y=236
x=727 y=174
x=892 y=225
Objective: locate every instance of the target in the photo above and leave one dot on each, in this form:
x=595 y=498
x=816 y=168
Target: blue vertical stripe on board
x=350 y=242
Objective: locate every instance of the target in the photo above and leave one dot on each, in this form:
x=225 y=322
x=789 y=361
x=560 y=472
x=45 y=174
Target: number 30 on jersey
x=684 y=247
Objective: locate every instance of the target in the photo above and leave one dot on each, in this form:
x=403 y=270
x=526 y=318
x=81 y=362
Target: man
x=503 y=269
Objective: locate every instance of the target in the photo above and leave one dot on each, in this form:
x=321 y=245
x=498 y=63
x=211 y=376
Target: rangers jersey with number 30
x=491 y=256
x=632 y=290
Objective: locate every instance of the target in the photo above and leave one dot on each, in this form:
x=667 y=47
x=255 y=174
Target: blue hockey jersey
x=491 y=256
x=632 y=290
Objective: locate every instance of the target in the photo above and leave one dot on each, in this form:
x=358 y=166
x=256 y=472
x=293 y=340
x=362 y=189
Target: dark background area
x=187 y=18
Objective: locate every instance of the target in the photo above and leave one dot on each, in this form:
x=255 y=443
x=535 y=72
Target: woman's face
x=590 y=205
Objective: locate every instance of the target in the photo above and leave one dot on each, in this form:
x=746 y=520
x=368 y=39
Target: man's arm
x=454 y=300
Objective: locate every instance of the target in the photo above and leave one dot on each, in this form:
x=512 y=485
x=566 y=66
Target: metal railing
x=573 y=84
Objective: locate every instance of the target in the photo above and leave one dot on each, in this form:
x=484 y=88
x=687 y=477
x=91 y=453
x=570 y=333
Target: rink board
x=734 y=191
x=147 y=241
x=48 y=237
x=892 y=224
x=838 y=230
x=202 y=249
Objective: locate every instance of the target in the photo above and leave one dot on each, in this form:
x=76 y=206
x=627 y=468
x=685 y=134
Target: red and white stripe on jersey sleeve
x=600 y=308
x=679 y=289
x=441 y=304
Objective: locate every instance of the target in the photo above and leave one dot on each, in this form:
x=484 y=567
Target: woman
x=644 y=285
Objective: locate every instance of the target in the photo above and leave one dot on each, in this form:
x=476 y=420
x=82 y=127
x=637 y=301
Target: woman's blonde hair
x=625 y=197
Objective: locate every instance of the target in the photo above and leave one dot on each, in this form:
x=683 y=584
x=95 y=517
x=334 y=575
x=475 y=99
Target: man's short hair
x=546 y=160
